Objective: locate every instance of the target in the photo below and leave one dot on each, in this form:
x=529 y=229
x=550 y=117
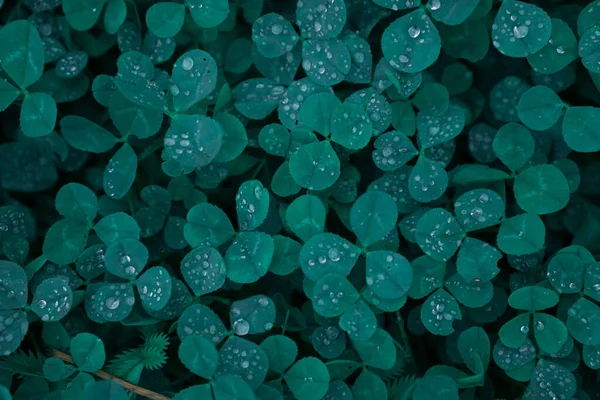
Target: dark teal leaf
x=77 y=202
x=372 y=216
x=165 y=19
x=411 y=43
x=308 y=378
x=38 y=115
x=21 y=52
x=82 y=14
x=85 y=135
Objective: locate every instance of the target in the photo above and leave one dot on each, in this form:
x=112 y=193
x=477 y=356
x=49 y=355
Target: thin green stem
x=285 y=321
x=394 y=80
x=404 y=337
x=137 y=14
x=470 y=381
x=258 y=168
x=104 y=375
x=151 y=149
x=475 y=380
x=14 y=10
x=408 y=394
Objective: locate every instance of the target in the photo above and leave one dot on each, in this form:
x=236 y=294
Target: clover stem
x=258 y=168
x=105 y=375
x=183 y=379
x=475 y=380
x=14 y=10
x=394 y=80
x=210 y=299
x=285 y=321
x=408 y=394
x=131 y=203
x=137 y=14
x=470 y=381
x=34 y=341
x=404 y=337
x=155 y=145
x=34 y=266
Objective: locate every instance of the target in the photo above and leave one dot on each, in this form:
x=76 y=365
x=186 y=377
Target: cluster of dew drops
x=5 y=323
x=334 y=254
x=439 y=312
x=320 y=9
x=476 y=212
x=248 y=206
x=295 y=105
x=184 y=142
x=519 y=30
x=319 y=48
x=113 y=166
x=440 y=244
x=424 y=185
x=550 y=376
x=393 y=185
x=414 y=32
x=277 y=30
x=203 y=264
x=113 y=302
x=125 y=261
x=380 y=276
x=211 y=329
x=241 y=327
x=334 y=297
x=186 y=64
x=59 y=304
x=245 y=357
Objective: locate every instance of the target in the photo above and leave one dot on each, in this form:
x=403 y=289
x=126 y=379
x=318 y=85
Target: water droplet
x=414 y=31
x=263 y=301
x=187 y=63
x=520 y=31
x=41 y=304
x=112 y=303
x=334 y=254
x=524 y=329
x=241 y=327
x=130 y=270
x=539 y=325
x=276 y=29
x=434 y=5
x=433 y=130
x=560 y=50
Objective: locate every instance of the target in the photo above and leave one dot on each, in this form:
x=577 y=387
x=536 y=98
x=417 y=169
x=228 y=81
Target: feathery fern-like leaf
x=398 y=369
x=23 y=363
x=398 y=387
x=130 y=364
